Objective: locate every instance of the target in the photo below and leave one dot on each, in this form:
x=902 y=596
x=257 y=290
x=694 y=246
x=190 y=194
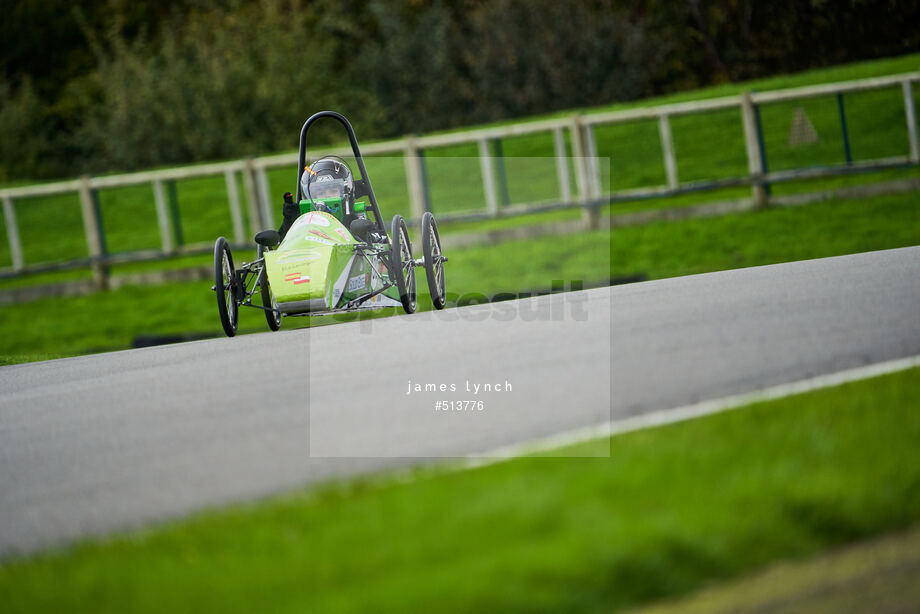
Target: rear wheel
x=434 y=265
x=402 y=266
x=272 y=317
x=225 y=287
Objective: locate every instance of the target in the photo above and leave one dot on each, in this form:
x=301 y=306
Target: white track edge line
x=686 y=412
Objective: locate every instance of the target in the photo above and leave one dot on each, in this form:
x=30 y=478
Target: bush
x=189 y=80
x=26 y=143
x=217 y=83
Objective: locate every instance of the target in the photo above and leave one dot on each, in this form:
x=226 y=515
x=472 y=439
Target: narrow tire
x=402 y=266
x=225 y=287
x=434 y=267
x=272 y=317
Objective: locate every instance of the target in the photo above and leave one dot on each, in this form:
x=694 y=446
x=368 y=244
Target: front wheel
x=225 y=287
x=402 y=266
x=272 y=317
x=434 y=261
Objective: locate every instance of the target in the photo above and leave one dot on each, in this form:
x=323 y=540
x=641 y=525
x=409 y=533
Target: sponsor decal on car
x=355 y=283
x=297 y=278
x=316 y=218
x=342 y=233
x=291 y=257
x=320 y=233
x=318 y=240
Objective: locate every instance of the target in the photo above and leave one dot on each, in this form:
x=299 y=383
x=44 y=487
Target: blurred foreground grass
x=878 y=575
x=111 y=320
x=670 y=509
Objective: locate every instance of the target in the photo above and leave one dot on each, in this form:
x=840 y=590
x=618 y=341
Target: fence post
x=848 y=156
x=582 y=174
x=159 y=199
x=578 y=153
x=591 y=214
x=764 y=165
x=236 y=213
x=265 y=198
x=562 y=165
x=911 y=114
x=175 y=215
x=488 y=177
x=667 y=149
x=12 y=233
x=252 y=197
x=426 y=186
x=752 y=144
x=414 y=175
x=594 y=171
x=94 y=240
x=502 y=176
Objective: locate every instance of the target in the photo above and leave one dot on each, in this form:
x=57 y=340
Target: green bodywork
x=316 y=268
x=334 y=205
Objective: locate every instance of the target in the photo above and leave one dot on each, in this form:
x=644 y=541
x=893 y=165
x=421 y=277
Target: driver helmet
x=327 y=183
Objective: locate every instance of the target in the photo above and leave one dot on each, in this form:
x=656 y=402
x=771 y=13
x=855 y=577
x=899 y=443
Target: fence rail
x=576 y=132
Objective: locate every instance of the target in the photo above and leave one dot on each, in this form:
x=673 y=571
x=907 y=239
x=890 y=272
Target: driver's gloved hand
x=291 y=211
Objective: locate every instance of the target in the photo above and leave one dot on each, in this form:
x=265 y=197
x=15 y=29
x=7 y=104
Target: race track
x=112 y=441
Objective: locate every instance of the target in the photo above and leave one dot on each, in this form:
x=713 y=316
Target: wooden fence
x=576 y=132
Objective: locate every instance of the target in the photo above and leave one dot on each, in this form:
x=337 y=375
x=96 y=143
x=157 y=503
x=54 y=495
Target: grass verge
x=669 y=510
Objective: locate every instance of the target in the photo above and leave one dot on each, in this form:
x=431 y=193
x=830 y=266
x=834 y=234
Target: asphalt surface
x=100 y=443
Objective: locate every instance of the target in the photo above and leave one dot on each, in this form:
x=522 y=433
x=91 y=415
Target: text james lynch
x=468 y=386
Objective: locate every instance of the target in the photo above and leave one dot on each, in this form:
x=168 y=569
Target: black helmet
x=328 y=177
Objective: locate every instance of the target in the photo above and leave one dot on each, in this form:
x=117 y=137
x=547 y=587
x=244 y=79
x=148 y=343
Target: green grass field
x=669 y=510
x=110 y=320
x=708 y=146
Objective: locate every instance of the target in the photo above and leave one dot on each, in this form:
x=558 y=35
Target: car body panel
x=318 y=268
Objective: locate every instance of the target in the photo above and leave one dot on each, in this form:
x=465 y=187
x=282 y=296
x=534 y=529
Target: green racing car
x=335 y=254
